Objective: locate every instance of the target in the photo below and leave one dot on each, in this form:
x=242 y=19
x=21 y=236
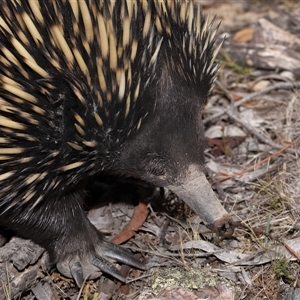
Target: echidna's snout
x=169 y=152
x=195 y=190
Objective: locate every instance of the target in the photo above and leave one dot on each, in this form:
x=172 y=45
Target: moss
x=189 y=279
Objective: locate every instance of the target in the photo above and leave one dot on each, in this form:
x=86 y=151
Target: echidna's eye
x=156 y=165
x=157 y=171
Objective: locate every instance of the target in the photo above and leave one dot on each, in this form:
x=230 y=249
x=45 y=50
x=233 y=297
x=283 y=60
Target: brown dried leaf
x=244 y=35
x=140 y=214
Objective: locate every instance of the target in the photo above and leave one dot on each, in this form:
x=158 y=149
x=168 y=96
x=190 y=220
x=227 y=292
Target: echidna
x=99 y=86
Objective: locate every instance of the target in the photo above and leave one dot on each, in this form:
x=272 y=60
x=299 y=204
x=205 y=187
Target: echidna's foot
x=90 y=265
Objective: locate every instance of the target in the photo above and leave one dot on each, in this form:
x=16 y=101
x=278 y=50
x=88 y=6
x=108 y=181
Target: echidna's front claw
x=92 y=264
x=76 y=272
x=107 y=267
x=120 y=254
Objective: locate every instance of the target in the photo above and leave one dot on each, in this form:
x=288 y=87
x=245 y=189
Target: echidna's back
x=72 y=77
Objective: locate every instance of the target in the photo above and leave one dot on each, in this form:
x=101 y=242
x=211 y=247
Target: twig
x=230 y=111
x=226 y=91
x=239 y=174
x=281 y=85
x=256 y=133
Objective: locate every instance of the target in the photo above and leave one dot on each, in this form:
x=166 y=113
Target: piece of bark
x=264 y=57
x=18 y=268
x=271 y=48
x=266 y=33
x=43 y=291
